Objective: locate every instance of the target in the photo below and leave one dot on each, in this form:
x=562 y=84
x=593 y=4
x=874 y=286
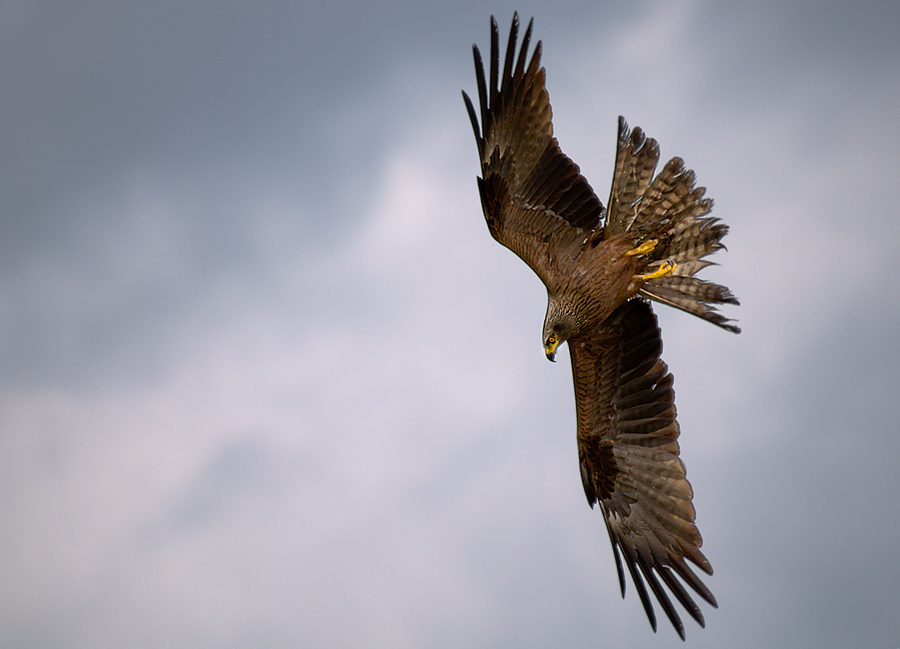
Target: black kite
x=599 y=264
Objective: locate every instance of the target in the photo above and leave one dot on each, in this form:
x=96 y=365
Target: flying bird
x=601 y=266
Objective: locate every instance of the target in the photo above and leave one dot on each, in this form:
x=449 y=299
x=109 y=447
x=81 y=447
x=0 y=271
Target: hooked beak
x=550 y=351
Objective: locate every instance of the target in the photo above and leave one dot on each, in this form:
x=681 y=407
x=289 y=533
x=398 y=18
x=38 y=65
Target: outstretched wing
x=628 y=452
x=531 y=192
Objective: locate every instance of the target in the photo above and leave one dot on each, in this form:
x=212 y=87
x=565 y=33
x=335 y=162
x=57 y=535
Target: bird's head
x=551 y=342
x=558 y=328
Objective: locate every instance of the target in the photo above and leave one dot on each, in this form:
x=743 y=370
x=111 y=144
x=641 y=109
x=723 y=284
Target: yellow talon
x=643 y=249
x=665 y=269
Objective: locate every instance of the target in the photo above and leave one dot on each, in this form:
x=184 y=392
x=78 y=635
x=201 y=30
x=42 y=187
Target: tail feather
x=694 y=296
x=636 y=158
x=693 y=239
x=689 y=267
x=693 y=287
x=669 y=198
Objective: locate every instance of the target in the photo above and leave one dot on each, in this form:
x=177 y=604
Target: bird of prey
x=600 y=265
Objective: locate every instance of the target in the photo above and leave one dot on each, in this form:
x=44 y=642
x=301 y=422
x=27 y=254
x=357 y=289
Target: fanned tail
x=671 y=210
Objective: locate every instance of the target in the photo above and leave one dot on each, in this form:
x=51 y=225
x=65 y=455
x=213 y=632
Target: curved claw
x=643 y=249
x=665 y=269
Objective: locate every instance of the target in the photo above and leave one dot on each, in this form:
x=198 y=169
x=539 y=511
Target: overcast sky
x=266 y=380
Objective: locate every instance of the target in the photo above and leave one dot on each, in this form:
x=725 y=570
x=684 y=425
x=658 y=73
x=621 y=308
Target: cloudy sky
x=266 y=380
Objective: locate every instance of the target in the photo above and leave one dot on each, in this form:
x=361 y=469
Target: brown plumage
x=597 y=265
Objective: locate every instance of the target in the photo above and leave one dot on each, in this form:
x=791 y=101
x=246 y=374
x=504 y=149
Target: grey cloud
x=266 y=380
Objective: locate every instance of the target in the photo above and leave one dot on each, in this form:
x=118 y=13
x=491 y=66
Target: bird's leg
x=665 y=269
x=643 y=249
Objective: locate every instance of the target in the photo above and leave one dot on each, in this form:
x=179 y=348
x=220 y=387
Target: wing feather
x=531 y=192
x=630 y=464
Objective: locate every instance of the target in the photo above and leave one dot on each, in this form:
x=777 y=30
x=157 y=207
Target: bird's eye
x=551 y=339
